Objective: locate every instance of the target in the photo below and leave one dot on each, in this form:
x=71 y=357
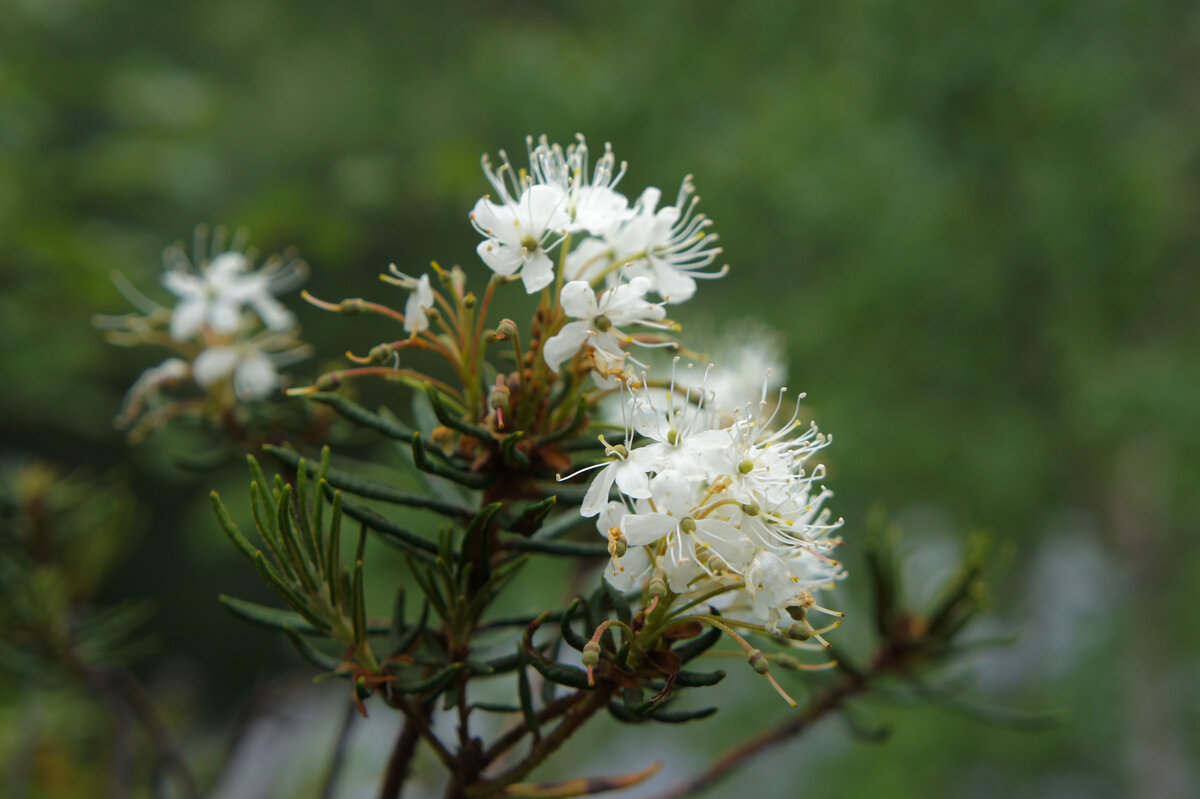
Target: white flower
x=669 y=245
x=419 y=301
x=216 y=297
x=519 y=233
x=628 y=565
x=591 y=200
x=599 y=321
x=725 y=504
x=254 y=374
x=168 y=373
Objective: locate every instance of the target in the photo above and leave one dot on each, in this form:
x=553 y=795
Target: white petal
x=225 y=316
x=646 y=528
x=565 y=343
x=215 y=363
x=255 y=377
x=494 y=221
x=579 y=300
x=183 y=285
x=271 y=311
x=538 y=272
x=596 y=498
x=625 y=572
x=503 y=259
x=543 y=208
x=671 y=284
x=188 y=318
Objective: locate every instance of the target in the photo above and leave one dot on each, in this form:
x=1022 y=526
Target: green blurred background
x=974 y=225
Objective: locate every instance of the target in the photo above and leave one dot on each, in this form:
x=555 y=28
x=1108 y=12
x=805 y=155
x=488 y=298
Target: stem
x=889 y=658
x=121 y=683
x=575 y=717
x=514 y=736
x=339 y=751
x=399 y=761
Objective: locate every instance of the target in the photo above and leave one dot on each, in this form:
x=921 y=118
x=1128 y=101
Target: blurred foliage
x=973 y=224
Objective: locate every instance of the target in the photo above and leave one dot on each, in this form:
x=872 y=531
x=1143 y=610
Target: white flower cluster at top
x=719 y=502
x=626 y=250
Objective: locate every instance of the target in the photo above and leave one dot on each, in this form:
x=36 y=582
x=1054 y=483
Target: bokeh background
x=975 y=227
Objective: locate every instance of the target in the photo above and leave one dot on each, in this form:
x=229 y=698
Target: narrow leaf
x=231 y=529
x=271 y=618
x=390 y=532
x=356 y=413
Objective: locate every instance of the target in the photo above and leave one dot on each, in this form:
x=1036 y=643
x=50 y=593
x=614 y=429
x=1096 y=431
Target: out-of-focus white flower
x=253 y=366
x=216 y=295
x=520 y=233
x=169 y=373
x=599 y=321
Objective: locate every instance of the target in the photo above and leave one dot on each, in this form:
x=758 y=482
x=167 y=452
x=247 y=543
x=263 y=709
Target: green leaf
x=532 y=517
x=508 y=445
x=271 y=618
x=356 y=413
x=371 y=489
x=525 y=694
x=231 y=529
x=693 y=679
x=315 y=656
x=682 y=716
x=298 y=602
x=432 y=685
x=423 y=462
x=333 y=555
x=573 y=639
x=698 y=646
x=404 y=641
x=391 y=532
x=561 y=524
x=443 y=414
x=560 y=548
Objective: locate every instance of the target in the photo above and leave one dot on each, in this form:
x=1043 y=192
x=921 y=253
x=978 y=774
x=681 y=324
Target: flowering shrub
x=701 y=482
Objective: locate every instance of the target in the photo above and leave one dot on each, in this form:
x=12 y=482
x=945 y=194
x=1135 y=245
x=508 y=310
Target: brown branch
x=513 y=736
x=575 y=717
x=889 y=658
x=398 y=763
x=339 y=751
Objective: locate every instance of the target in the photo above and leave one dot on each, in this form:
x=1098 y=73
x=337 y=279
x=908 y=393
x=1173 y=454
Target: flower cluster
x=719 y=502
x=229 y=332
x=612 y=253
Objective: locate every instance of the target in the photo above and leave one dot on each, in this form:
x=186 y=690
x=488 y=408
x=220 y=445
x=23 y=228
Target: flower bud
x=506 y=329
x=499 y=397
x=657 y=587
x=799 y=632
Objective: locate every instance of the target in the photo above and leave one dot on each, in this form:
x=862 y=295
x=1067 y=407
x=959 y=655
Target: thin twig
x=399 y=762
x=339 y=751
x=851 y=684
x=514 y=736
